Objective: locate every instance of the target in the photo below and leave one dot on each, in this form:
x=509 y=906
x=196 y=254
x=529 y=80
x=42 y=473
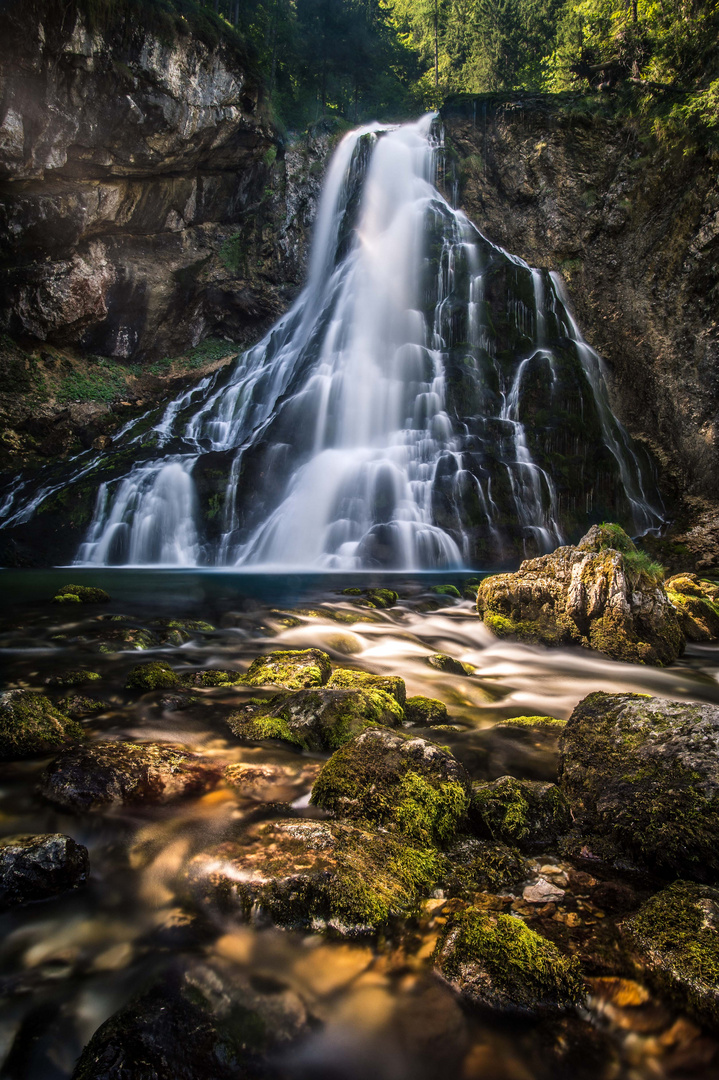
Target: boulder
x=117 y=773
x=37 y=867
x=448 y=665
x=82 y=594
x=345 y=679
x=294 y=670
x=391 y=779
x=497 y=962
x=446 y=590
x=371 y=598
x=157 y=675
x=697 y=604
x=642 y=778
x=210 y=677
x=425 y=711
x=603 y=594
x=480 y=866
x=31 y=724
x=78 y=677
x=320 y=719
x=527 y=813
x=80 y=707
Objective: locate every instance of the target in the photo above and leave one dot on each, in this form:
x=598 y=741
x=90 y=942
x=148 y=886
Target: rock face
x=634 y=231
x=642 y=778
x=31 y=724
x=39 y=867
x=598 y=594
x=144 y=200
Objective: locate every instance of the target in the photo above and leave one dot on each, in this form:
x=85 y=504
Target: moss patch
x=524 y=812
x=154 y=676
x=31 y=724
x=295 y=669
x=350 y=680
x=425 y=711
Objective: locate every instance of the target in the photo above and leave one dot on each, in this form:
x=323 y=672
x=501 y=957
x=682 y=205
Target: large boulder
x=116 y=773
x=603 y=594
x=528 y=813
x=391 y=779
x=642 y=778
x=697 y=604
x=37 y=867
x=31 y=724
x=295 y=670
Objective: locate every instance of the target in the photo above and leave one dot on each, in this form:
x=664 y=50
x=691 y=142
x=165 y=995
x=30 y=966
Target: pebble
x=542 y=892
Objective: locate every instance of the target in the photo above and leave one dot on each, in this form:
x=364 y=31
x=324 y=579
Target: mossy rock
x=676 y=936
x=540 y=723
x=496 y=962
x=697 y=604
x=527 y=813
x=31 y=724
x=372 y=598
x=642 y=778
x=156 y=675
x=345 y=679
x=77 y=677
x=315 y=874
x=210 y=677
x=605 y=537
x=79 y=707
x=391 y=779
x=294 y=670
x=84 y=594
x=425 y=711
x=474 y=865
x=319 y=719
x=40 y=866
x=448 y=665
x=446 y=590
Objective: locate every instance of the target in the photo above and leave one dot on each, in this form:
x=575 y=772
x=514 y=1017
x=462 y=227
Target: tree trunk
x=436 y=43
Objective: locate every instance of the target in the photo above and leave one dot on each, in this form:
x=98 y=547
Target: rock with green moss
x=474 y=865
x=425 y=711
x=603 y=594
x=317 y=720
x=157 y=675
x=83 y=594
x=448 y=665
x=528 y=813
x=391 y=779
x=118 y=773
x=32 y=724
x=72 y=678
x=345 y=679
x=210 y=677
x=79 y=707
x=697 y=604
x=676 y=936
x=314 y=874
x=295 y=670
x=179 y=631
x=642 y=778
x=532 y=723
x=371 y=598
x=496 y=962
x=446 y=590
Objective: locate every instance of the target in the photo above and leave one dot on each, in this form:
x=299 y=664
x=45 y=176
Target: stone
x=318 y=719
x=641 y=775
x=603 y=594
x=31 y=724
x=446 y=590
x=697 y=604
x=294 y=670
x=425 y=711
x=475 y=865
x=447 y=664
x=527 y=813
x=121 y=773
x=84 y=594
x=38 y=867
x=371 y=598
x=389 y=778
x=210 y=677
x=497 y=962
x=542 y=892
x=344 y=679
x=72 y=678
x=157 y=675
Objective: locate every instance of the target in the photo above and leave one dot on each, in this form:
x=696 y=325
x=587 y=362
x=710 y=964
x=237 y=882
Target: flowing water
x=427 y=402
x=376 y=1008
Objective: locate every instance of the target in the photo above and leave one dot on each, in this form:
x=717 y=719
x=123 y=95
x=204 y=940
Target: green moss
x=154 y=676
x=523 y=812
x=270 y=727
x=295 y=669
x=78 y=677
x=425 y=711
x=31 y=724
x=480 y=865
x=429 y=813
x=85 y=594
x=349 y=680
x=446 y=590
x=533 y=721
x=380 y=598
x=66 y=598
x=211 y=677
x=608 y=535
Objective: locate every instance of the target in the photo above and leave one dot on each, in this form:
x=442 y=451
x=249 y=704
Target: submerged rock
x=210 y=677
x=425 y=711
x=480 y=866
x=603 y=594
x=392 y=779
x=37 y=867
x=642 y=778
x=446 y=590
x=497 y=962
x=312 y=874
x=343 y=678
x=697 y=603
x=528 y=813
x=80 y=594
x=157 y=675
x=78 y=677
x=676 y=935
x=448 y=664
x=31 y=724
x=116 y=773
x=295 y=670
x=372 y=598
x=269 y=783
x=79 y=707
x=321 y=719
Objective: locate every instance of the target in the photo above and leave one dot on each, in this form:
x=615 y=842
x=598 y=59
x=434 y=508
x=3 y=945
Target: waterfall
x=427 y=402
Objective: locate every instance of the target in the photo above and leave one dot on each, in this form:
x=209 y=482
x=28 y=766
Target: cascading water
x=427 y=402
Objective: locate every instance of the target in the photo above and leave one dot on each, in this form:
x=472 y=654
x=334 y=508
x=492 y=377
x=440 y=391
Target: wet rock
x=390 y=778
x=448 y=664
x=31 y=724
x=527 y=813
x=697 y=603
x=425 y=711
x=37 y=867
x=79 y=707
x=314 y=874
x=446 y=590
x=118 y=773
x=532 y=724
x=321 y=719
x=603 y=594
x=157 y=675
x=676 y=936
x=210 y=677
x=371 y=598
x=497 y=962
x=344 y=679
x=642 y=779
x=542 y=891
x=78 y=677
x=295 y=670
x=84 y=594
x=480 y=866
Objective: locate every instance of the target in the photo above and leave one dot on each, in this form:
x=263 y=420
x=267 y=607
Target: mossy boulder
x=527 y=813
x=388 y=778
x=497 y=962
x=40 y=866
x=532 y=723
x=295 y=670
x=676 y=936
x=604 y=597
x=79 y=707
x=83 y=594
x=156 y=675
x=77 y=677
x=474 y=865
x=210 y=677
x=371 y=598
x=447 y=664
x=119 y=773
x=31 y=724
x=314 y=874
x=446 y=590
x=642 y=778
x=697 y=604
x=425 y=711
x=346 y=679
x=317 y=720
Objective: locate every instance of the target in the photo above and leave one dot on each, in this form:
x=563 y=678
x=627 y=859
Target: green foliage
x=102 y=380
x=206 y=352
